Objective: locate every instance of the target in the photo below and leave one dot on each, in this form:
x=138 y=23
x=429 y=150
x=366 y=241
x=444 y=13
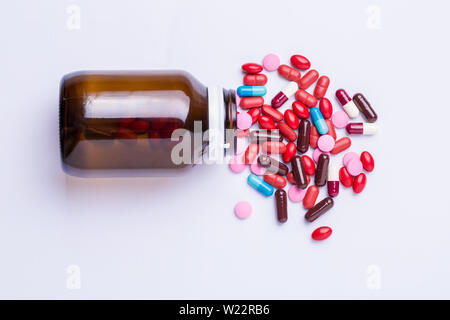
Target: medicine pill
x=326 y=108
x=251 y=153
x=272 y=113
x=254 y=113
x=251 y=102
x=354 y=167
x=290 y=152
x=345 y=178
x=306 y=98
x=321 y=87
x=300 y=62
x=317 y=152
x=365 y=108
x=333 y=180
x=296 y=194
x=367 y=161
x=291 y=119
x=284 y=94
x=271 y=62
x=255 y=79
x=319 y=209
x=251 y=91
x=341 y=145
x=314 y=136
x=286 y=131
x=347 y=104
x=321 y=233
x=274 y=147
x=260 y=136
x=310 y=197
x=266 y=123
x=260 y=185
x=299 y=172
x=319 y=121
x=244 y=121
x=272 y=165
x=300 y=110
x=308 y=79
x=275 y=180
x=359 y=183
x=243 y=210
x=252 y=67
x=281 y=203
x=325 y=143
x=236 y=164
x=304 y=132
x=309 y=165
x=289 y=73
x=361 y=128
x=320 y=178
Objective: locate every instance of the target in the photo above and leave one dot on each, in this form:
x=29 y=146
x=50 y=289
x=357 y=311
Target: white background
x=164 y=238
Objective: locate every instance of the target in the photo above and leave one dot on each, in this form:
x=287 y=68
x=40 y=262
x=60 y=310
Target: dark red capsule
x=281 y=203
x=304 y=132
x=299 y=172
x=319 y=209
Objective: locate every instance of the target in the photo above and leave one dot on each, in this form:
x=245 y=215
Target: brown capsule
x=281 y=201
x=301 y=180
x=364 y=107
x=272 y=165
x=320 y=179
x=319 y=209
x=261 y=136
x=304 y=132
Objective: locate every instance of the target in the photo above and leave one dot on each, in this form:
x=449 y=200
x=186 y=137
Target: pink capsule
x=308 y=79
x=284 y=94
x=321 y=87
x=333 y=180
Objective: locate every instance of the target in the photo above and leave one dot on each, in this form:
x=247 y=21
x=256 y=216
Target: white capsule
x=370 y=128
x=351 y=109
x=333 y=172
x=290 y=89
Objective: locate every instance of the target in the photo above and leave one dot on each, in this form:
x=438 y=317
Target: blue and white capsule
x=260 y=185
x=318 y=120
x=251 y=91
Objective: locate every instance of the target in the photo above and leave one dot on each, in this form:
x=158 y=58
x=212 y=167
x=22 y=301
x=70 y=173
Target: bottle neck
x=222 y=113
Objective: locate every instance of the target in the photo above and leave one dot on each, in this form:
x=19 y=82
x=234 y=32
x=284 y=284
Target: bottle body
x=128 y=120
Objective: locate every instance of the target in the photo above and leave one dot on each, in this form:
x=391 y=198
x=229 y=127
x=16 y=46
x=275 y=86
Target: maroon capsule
x=299 y=172
x=319 y=209
x=261 y=136
x=320 y=178
x=304 y=131
x=342 y=97
x=281 y=202
x=365 y=108
x=272 y=165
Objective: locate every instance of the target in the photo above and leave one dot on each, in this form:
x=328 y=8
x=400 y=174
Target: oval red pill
x=290 y=177
x=345 y=178
x=322 y=233
x=341 y=145
x=266 y=123
x=309 y=165
x=252 y=67
x=300 y=62
x=289 y=73
x=251 y=153
x=286 y=131
x=275 y=180
x=359 y=183
x=321 y=87
x=300 y=110
x=291 y=149
x=313 y=137
x=306 y=98
x=251 y=102
x=255 y=79
x=272 y=113
x=275 y=147
x=326 y=108
x=291 y=119
x=310 y=197
x=367 y=161
x=254 y=113
x=308 y=79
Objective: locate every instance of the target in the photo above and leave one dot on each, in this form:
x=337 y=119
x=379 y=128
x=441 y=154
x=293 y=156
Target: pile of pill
x=282 y=139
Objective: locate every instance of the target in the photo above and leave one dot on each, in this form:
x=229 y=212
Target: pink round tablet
x=244 y=121
x=236 y=164
x=257 y=169
x=316 y=153
x=271 y=62
x=243 y=210
x=296 y=194
x=354 y=167
x=326 y=143
x=349 y=156
x=340 y=119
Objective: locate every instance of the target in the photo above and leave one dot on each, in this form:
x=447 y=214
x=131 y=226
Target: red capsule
x=321 y=233
x=252 y=67
x=310 y=197
x=308 y=79
x=266 y=123
x=275 y=180
x=291 y=119
x=140 y=126
x=286 y=131
x=359 y=183
x=367 y=161
x=255 y=79
x=345 y=178
x=251 y=102
x=254 y=113
x=341 y=145
x=290 y=177
x=321 y=87
x=313 y=137
x=290 y=152
x=272 y=113
x=308 y=164
x=300 y=110
x=326 y=108
x=331 y=129
x=300 y=62
x=306 y=98
x=274 y=147
x=289 y=73
x=251 y=153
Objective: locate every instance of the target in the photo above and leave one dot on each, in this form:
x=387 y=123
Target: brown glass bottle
x=126 y=120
